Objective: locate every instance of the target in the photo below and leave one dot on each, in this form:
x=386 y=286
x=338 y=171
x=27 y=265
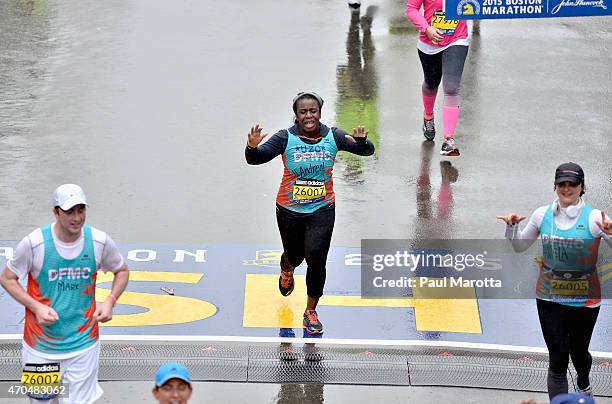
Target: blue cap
x=171 y=370
x=572 y=398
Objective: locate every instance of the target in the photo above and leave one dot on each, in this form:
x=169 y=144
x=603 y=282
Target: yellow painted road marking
x=162 y=309
x=265 y=258
x=264 y=306
x=605 y=267
x=150 y=276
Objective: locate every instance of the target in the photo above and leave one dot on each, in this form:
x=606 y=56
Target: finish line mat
x=229 y=292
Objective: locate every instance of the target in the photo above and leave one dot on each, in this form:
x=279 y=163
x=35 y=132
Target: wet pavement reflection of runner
x=300 y=394
x=357 y=82
x=429 y=224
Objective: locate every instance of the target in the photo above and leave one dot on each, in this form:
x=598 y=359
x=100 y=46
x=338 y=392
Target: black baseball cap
x=571 y=172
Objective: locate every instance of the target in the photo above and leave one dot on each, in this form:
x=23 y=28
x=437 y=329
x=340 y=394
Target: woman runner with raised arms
x=305 y=204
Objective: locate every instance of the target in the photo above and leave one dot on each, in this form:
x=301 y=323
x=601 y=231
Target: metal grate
x=478 y=369
x=138 y=361
x=601 y=377
x=325 y=364
x=10 y=361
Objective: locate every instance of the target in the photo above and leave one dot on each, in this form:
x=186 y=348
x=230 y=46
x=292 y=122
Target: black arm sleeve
x=363 y=149
x=265 y=152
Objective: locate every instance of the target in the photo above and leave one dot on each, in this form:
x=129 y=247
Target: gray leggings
x=448 y=63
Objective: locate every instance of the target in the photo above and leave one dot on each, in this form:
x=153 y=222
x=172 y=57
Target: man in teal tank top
x=60 y=261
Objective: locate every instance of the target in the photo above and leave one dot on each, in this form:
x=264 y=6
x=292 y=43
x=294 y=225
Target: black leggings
x=567 y=331
x=449 y=63
x=307 y=236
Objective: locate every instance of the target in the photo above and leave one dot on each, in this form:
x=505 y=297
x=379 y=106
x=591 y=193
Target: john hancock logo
x=468 y=7
x=579 y=3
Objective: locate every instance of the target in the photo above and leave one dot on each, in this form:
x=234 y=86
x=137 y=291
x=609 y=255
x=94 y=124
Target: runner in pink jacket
x=442 y=48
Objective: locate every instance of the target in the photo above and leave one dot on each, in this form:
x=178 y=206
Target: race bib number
x=440 y=22
x=41 y=381
x=44 y=374
x=570 y=288
x=308 y=190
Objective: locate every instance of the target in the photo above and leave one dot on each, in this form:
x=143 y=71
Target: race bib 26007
x=308 y=190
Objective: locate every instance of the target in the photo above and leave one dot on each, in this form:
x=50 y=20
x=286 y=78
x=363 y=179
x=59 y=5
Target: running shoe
x=587 y=390
x=286 y=283
x=449 y=148
x=311 y=322
x=312 y=353
x=429 y=128
x=287 y=353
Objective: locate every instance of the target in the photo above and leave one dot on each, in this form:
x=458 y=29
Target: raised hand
x=255 y=136
x=512 y=218
x=605 y=225
x=359 y=135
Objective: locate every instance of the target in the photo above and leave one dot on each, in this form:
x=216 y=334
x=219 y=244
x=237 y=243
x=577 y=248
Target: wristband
x=113 y=298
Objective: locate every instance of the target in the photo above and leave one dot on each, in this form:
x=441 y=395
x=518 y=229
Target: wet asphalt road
x=147 y=106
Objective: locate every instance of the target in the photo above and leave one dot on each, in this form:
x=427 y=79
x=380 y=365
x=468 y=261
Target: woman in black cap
x=568 y=293
x=305 y=203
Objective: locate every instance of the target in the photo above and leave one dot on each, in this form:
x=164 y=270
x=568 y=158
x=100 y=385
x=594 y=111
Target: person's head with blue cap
x=572 y=398
x=172 y=384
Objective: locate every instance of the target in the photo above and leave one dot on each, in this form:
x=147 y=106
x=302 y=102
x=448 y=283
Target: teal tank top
x=568 y=273
x=68 y=286
x=307 y=183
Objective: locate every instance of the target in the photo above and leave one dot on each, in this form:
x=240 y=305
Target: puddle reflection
x=356 y=104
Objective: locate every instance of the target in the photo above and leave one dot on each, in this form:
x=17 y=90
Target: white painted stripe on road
x=326 y=341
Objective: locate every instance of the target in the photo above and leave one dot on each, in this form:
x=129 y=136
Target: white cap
x=68 y=195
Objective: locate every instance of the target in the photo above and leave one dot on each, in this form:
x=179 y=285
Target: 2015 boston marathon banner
x=497 y=9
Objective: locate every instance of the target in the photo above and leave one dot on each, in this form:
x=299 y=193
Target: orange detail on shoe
x=312 y=316
x=286 y=279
